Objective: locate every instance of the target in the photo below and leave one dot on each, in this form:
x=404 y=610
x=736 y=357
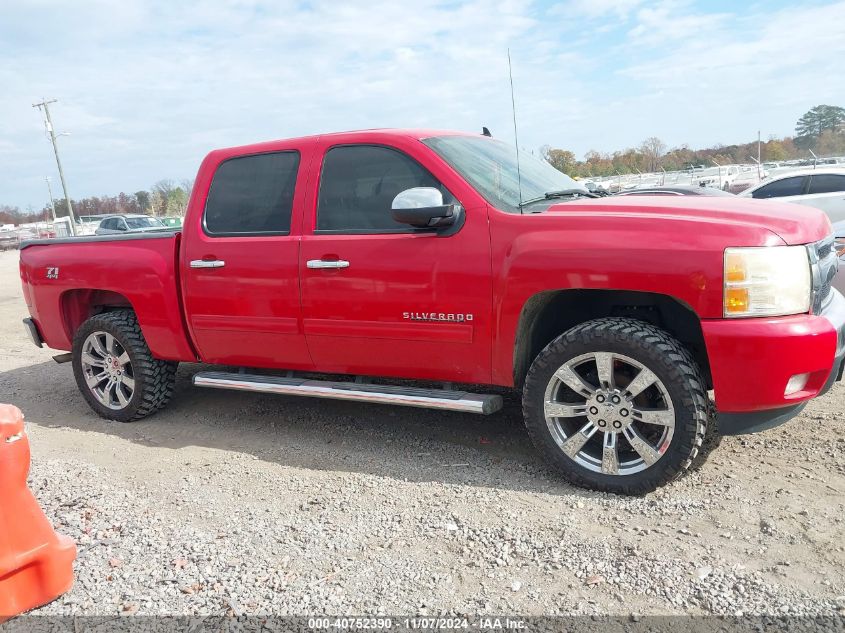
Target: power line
x=48 y=123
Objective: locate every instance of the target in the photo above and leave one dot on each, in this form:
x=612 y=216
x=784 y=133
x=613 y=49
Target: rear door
x=240 y=259
x=827 y=192
x=400 y=301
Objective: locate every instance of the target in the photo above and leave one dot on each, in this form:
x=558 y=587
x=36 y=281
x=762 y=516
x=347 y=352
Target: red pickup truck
x=389 y=266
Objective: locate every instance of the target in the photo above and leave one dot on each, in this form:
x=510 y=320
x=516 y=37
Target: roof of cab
x=378 y=133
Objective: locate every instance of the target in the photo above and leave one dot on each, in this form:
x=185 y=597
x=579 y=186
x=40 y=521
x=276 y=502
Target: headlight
x=767 y=281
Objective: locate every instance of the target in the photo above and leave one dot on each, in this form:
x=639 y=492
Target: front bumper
x=751 y=361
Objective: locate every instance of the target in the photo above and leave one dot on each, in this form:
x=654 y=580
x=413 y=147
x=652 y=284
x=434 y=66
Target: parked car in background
x=720 y=177
x=676 y=190
x=115 y=224
x=8 y=239
x=823 y=188
x=172 y=222
x=747 y=179
x=88 y=224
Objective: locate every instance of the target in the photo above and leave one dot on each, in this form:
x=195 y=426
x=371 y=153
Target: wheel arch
x=549 y=314
x=80 y=304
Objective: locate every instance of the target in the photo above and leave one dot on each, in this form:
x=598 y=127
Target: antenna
x=515 y=135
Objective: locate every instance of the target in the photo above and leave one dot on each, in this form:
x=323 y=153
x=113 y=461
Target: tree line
x=163 y=198
x=821 y=129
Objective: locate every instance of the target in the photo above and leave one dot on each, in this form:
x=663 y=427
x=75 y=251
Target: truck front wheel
x=616 y=405
x=115 y=370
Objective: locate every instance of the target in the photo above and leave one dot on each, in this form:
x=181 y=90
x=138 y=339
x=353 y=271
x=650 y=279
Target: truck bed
x=66 y=280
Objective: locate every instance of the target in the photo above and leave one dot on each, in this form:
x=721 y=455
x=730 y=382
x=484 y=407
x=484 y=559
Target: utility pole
x=52 y=204
x=48 y=123
x=759 y=157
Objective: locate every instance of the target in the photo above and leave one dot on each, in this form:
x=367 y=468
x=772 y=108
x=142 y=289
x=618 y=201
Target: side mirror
x=423 y=208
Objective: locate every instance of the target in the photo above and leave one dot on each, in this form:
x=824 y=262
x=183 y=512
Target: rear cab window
x=252 y=195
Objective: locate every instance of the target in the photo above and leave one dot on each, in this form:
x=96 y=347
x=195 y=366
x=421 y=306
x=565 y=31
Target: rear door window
x=793 y=186
x=252 y=195
x=827 y=183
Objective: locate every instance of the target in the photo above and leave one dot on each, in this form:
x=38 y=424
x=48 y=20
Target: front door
x=380 y=298
x=240 y=263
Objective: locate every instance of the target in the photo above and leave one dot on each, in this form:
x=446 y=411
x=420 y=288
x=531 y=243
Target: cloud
x=669 y=21
x=593 y=9
x=771 y=62
x=148 y=87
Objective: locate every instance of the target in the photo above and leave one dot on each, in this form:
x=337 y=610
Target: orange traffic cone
x=36 y=564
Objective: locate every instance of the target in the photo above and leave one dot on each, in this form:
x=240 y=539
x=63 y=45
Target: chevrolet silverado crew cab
x=392 y=266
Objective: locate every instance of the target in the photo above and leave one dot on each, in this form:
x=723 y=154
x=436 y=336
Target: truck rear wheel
x=115 y=370
x=616 y=405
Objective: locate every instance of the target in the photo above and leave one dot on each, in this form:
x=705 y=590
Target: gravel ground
x=249 y=504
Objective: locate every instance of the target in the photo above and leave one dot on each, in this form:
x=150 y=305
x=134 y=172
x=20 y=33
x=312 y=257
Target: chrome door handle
x=327 y=263
x=207 y=263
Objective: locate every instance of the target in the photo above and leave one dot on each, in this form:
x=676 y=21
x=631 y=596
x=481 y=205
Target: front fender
x=678 y=257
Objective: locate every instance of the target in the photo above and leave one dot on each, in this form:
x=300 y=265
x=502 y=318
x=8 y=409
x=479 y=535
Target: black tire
x=654 y=349
x=712 y=438
x=154 y=378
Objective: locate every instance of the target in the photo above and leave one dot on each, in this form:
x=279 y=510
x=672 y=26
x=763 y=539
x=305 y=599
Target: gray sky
x=147 y=87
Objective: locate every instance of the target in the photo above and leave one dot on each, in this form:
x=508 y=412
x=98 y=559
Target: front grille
x=824 y=248
x=824 y=264
x=824 y=293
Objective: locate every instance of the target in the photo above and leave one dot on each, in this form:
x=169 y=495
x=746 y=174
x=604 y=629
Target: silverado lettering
x=436 y=316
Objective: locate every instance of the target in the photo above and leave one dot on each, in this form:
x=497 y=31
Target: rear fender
x=67 y=282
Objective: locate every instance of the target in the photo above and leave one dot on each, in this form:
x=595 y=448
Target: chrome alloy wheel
x=609 y=413
x=107 y=370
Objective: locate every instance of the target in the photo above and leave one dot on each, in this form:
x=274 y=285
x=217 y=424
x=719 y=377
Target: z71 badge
x=52 y=272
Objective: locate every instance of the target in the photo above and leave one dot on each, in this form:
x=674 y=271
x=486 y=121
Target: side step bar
x=383 y=394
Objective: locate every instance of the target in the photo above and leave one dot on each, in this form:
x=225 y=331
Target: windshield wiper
x=561 y=193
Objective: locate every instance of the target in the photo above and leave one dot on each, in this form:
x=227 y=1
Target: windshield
x=143 y=223
x=489 y=165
